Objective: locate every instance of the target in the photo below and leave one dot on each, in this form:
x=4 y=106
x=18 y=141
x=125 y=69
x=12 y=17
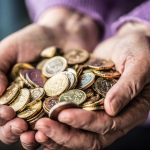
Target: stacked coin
x=57 y=82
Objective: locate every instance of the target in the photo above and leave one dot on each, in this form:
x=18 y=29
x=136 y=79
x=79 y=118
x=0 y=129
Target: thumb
x=128 y=86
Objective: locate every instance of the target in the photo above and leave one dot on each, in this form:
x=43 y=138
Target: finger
x=135 y=115
x=28 y=140
x=101 y=123
x=128 y=86
x=41 y=137
x=6 y=114
x=72 y=138
x=47 y=142
x=11 y=131
x=98 y=122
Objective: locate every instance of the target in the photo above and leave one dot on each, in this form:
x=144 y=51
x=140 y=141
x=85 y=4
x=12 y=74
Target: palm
x=129 y=53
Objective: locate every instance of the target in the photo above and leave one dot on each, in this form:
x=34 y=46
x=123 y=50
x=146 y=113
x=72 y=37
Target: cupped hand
x=130 y=51
x=23 y=46
x=26 y=45
x=85 y=130
x=80 y=129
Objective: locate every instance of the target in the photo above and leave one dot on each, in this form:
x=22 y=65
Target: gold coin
x=107 y=74
x=75 y=96
x=103 y=85
x=31 y=109
x=16 y=69
x=89 y=92
x=88 y=71
x=10 y=94
x=76 y=56
x=36 y=117
x=49 y=103
x=100 y=64
x=91 y=100
x=55 y=110
x=35 y=78
x=20 y=102
x=49 y=52
x=22 y=75
x=93 y=108
x=97 y=103
x=71 y=78
x=75 y=76
x=41 y=64
x=36 y=93
x=56 y=85
x=72 y=71
x=54 y=65
x=80 y=70
x=86 y=80
x=19 y=82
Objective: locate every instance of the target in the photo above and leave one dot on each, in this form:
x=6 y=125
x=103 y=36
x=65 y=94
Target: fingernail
x=16 y=130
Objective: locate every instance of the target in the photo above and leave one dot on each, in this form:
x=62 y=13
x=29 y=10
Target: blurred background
x=14 y=16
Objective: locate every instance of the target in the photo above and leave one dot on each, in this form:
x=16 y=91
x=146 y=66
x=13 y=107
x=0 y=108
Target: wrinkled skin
x=131 y=55
x=25 y=46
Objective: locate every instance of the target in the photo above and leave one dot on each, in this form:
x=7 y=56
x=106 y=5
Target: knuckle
x=66 y=140
x=96 y=144
x=112 y=126
x=6 y=113
x=20 y=124
x=7 y=138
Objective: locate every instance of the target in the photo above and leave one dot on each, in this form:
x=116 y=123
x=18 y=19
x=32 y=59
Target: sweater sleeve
x=139 y=14
x=92 y=8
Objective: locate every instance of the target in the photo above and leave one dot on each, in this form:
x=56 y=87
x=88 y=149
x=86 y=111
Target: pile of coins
x=58 y=81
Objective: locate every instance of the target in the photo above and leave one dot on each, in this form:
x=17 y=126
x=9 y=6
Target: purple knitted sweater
x=110 y=13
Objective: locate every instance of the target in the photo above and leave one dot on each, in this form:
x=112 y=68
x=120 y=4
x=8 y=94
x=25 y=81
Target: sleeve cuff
x=115 y=26
x=139 y=14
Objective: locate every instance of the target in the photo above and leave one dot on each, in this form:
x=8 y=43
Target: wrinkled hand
x=91 y=130
x=130 y=51
x=79 y=129
x=25 y=46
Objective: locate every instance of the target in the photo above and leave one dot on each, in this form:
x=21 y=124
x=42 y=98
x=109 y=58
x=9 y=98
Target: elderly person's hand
x=58 y=26
x=84 y=130
x=129 y=49
x=77 y=129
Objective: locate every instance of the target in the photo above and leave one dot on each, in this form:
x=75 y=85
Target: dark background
x=13 y=16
